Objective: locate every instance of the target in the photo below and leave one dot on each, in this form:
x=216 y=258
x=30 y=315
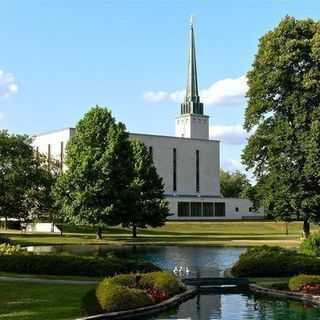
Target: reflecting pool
x=239 y=307
x=200 y=260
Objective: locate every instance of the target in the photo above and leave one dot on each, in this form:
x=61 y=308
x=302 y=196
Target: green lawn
x=30 y=301
x=229 y=233
x=21 y=301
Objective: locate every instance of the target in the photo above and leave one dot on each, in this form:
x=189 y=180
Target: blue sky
x=60 y=57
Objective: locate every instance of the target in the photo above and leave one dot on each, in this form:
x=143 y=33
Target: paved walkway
x=46 y=281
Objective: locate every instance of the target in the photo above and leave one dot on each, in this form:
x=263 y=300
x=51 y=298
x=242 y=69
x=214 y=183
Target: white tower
x=192 y=123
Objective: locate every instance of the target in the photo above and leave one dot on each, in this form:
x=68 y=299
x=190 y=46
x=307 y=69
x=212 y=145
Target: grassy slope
x=40 y=301
x=180 y=233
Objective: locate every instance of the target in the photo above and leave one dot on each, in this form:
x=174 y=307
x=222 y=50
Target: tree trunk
x=6 y=223
x=287 y=228
x=306 y=227
x=99 y=233
x=134 y=231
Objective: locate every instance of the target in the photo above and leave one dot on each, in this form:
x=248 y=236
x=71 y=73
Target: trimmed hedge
x=268 y=261
x=113 y=297
x=297 y=282
x=311 y=245
x=130 y=291
x=72 y=265
x=163 y=281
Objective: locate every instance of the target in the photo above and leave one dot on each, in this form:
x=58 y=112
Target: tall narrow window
x=61 y=155
x=174 y=169
x=197 y=172
x=151 y=151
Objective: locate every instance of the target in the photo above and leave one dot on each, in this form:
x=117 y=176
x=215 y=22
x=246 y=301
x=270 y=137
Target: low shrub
x=267 y=261
x=311 y=245
x=302 y=281
x=113 y=297
x=71 y=265
x=128 y=291
x=127 y=280
x=7 y=249
x=162 y=281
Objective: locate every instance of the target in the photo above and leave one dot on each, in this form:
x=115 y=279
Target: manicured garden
x=228 y=233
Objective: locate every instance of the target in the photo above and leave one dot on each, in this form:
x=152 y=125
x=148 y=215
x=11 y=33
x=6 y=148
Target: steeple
x=192 y=102
x=192 y=123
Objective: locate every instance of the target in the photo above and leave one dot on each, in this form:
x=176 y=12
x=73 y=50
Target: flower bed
x=125 y=292
x=305 y=283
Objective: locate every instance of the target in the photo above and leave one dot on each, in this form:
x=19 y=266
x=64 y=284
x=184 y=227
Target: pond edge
x=143 y=311
x=312 y=299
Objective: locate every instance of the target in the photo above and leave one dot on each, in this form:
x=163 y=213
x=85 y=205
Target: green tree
x=40 y=194
x=25 y=182
x=284 y=109
x=233 y=184
x=95 y=187
x=147 y=205
x=16 y=157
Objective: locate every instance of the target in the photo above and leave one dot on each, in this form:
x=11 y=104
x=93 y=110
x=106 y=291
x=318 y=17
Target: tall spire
x=192 y=85
x=192 y=102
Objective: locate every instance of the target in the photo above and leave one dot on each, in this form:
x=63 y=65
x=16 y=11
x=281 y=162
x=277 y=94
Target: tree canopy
x=233 y=184
x=94 y=188
x=25 y=181
x=109 y=180
x=147 y=205
x=284 y=109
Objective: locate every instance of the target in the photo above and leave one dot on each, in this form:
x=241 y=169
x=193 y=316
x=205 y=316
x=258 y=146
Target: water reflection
x=200 y=260
x=239 y=307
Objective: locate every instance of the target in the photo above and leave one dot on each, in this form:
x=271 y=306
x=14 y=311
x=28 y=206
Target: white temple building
x=188 y=162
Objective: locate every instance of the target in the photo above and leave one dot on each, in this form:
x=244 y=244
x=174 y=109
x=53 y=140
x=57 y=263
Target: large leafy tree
x=25 y=181
x=146 y=205
x=233 y=184
x=284 y=109
x=95 y=187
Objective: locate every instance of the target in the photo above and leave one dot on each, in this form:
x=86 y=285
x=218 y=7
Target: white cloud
x=223 y=92
x=229 y=134
x=8 y=84
x=232 y=165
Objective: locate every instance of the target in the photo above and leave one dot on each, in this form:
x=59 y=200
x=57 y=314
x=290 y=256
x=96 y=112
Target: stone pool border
x=144 y=311
x=309 y=298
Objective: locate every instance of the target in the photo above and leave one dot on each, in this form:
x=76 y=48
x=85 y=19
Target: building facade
x=189 y=163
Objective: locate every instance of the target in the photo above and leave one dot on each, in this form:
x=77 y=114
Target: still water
x=201 y=261
x=239 y=307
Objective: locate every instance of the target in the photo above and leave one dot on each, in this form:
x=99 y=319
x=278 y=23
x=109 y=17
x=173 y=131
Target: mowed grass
x=34 y=301
x=222 y=233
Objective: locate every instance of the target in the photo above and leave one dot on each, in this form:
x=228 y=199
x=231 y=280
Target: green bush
x=267 y=261
x=113 y=297
x=311 y=246
x=7 y=249
x=71 y=265
x=295 y=283
x=163 y=281
x=127 y=280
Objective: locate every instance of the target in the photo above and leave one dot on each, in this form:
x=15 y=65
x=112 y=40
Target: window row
x=201 y=209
